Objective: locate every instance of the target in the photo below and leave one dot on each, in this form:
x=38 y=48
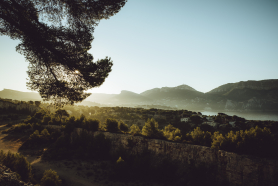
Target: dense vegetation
x=247 y=137
x=17 y=163
x=50 y=178
x=54 y=129
x=12 y=112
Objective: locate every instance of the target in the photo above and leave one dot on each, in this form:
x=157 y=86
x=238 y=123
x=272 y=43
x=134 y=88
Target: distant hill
x=245 y=96
x=33 y=96
x=127 y=97
x=240 y=96
x=268 y=84
x=17 y=95
x=181 y=92
x=244 y=90
x=99 y=97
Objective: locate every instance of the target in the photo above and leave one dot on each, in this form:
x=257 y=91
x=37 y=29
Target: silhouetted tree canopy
x=55 y=38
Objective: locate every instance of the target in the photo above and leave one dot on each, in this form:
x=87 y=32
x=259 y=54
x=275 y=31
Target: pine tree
x=55 y=38
x=151 y=130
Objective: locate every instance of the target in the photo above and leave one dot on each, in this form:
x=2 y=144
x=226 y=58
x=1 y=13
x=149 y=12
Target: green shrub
x=151 y=130
x=79 y=122
x=39 y=114
x=172 y=133
x=134 y=130
x=111 y=125
x=50 y=178
x=38 y=137
x=70 y=125
x=35 y=136
x=18 y=164
x=60 y=114
x=22 y=167
x=45 y=133
x=255 y=141
x=120 y=160
x=91 y=124
x=122 y=127
x=46 y=119
x=199 y=137
x=54 y=121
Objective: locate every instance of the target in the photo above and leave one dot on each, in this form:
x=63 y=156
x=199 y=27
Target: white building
x=184 y=119
x=233 y=123
x=209 y=118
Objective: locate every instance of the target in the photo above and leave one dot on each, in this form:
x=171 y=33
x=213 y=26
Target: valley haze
x=243 y=96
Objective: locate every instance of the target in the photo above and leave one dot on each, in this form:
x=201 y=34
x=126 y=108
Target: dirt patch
x=72 y=172
x=10 y=142
x=66 y=170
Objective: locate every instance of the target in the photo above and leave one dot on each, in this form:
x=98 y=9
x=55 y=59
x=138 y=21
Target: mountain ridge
x=243 y=95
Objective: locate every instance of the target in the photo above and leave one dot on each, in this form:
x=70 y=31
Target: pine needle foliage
x=55 y=37
x=255 y=141
x=151 y=130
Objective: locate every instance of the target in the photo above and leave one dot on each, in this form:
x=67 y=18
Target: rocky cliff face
x=246 y=96
x=230 y=167
x=258 y=85
x=254 y=85
x=250 y=105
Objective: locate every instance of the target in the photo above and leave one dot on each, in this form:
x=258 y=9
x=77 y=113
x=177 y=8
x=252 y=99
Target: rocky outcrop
x=246 y=96
x=229 y=167
x=251 y=104
x=9 y=178
x=254 y=85
x=258 y=85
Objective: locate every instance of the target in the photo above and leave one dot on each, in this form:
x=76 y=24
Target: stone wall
x=234 y=168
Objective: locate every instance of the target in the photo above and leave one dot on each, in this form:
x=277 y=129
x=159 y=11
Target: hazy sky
x=159 y=43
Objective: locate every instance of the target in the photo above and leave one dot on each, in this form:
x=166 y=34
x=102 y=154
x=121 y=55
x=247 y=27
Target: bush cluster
x=81 y=122
x=112 y=125
x=134 y=130
x=39 y=137
x=17 y=163
x=199 y=137
x=50 y=178
x=255 y=141
x=150 y=129
x=172 y=133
